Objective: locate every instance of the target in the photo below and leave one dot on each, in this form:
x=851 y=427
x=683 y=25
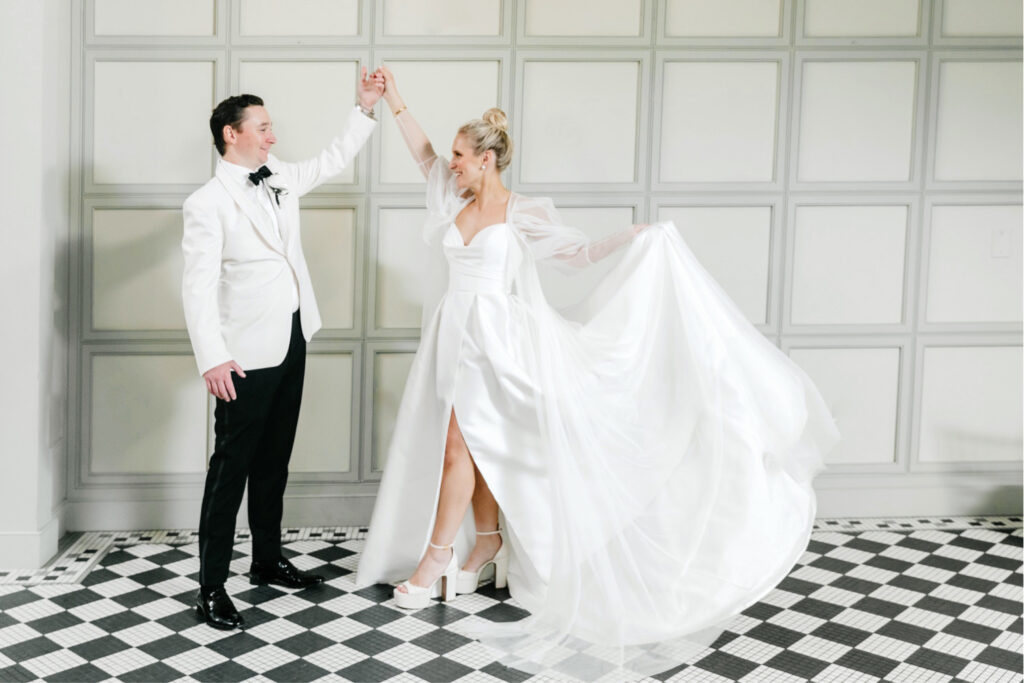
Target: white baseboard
x=913 y=494
x=183 y=513
x=839 y=495
x=30 y=549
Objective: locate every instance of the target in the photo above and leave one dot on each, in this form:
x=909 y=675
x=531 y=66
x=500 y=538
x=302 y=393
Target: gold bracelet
x=400 y=110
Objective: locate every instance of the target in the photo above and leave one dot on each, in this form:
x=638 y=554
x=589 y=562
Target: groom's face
x=254 y=138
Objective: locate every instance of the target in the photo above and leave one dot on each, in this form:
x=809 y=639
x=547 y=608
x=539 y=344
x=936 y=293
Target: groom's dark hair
x=230 y=112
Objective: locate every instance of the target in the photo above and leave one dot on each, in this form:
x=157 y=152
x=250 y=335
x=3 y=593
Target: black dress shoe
x=216 y=609
x=282 y=573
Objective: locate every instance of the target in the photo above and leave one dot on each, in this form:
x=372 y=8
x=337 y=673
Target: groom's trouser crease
x=253 y=440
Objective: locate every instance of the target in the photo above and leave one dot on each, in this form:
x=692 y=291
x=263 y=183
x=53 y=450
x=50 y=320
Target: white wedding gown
x=651 y=452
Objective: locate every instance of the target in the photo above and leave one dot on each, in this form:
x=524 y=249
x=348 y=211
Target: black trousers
x=254 y=437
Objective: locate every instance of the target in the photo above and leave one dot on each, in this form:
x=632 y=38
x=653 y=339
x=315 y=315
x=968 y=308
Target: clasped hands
x=370 y=88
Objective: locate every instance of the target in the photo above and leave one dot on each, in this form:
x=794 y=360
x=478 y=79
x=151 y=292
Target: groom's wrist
x=367 y=110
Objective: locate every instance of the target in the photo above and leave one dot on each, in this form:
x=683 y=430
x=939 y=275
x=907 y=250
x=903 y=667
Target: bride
x=638 y=466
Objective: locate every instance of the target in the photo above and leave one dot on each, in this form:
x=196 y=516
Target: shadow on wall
x=1002 y=500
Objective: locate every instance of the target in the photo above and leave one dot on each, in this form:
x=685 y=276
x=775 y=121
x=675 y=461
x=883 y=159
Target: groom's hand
x=370 y=88
x=218 y=380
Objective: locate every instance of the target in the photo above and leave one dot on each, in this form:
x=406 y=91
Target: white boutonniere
x=277 y=186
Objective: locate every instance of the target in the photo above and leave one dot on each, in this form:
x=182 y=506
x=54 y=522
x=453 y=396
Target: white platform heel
x=468 y=582
x=418 y=597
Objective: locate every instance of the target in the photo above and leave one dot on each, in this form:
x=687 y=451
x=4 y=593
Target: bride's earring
x=483 y=167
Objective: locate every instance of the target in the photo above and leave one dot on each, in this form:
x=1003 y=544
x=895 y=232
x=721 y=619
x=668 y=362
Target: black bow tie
x=257 y=176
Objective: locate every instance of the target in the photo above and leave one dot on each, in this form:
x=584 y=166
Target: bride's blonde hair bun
x=497 y=118
x=490 y=131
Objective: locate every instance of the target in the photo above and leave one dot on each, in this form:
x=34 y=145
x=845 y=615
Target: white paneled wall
x=848 y=170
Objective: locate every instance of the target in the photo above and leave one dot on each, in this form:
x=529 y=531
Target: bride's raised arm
x=415 y=139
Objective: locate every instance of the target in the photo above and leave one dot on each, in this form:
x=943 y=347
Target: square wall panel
x=442 y=18
x=176 y=133
x=390 y=370
x=584 y=17
x=971 y=405
x=137 y=265
x=306 y=115
x=579 y=122
x=299 y=17
x=967 y=18
x=873 y=18
x=856 y=121
x=974 y=264
x=329 y=243
x=861 y=389
x=400 y=253
x=440 y=116
x=733 y=243
x=848 y=264
x=148 y=415
x=723 y=18
x=719 y=121
x=564 y=289
x=154 y=18
x=978 y=127
x=323 y=441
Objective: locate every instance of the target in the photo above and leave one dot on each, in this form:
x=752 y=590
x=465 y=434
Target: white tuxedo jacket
x=238 y=280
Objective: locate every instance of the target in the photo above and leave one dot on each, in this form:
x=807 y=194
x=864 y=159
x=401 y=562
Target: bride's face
x=465 y=164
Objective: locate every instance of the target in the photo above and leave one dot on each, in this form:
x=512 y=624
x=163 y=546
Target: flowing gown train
x=651 y=452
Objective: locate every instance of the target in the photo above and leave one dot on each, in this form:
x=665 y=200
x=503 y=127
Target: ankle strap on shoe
x=439 y=547
x=488 y=533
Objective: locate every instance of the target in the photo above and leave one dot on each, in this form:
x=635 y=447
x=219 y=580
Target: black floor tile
x=167 y=647
x=98 y=648
x=372 y=642
x=774 y=634
x=84 y=673
x=297 y=670
x=1004 y=659
x=727 y=665
x=54 y=622
x=502 y=612
x=505 y=673
x=236 y=644
x=157 y=672
x=972 y=631
x=369 y=671
x=933 y=660
x=868 y=663
x=27 y=649
x=302 y=644
x=229 y=671
x=375 y=616
x=441 y=641
x=440 y=670
x=797 y=664
x=908 y=633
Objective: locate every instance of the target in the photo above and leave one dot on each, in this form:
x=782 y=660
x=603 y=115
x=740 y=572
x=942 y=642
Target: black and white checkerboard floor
x=870 y=600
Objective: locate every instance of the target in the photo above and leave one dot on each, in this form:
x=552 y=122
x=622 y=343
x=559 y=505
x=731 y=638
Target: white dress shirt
x=260 y=195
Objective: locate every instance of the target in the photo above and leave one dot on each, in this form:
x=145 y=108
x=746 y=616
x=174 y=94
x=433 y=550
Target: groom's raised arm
x=306 y=175
x=303 y=176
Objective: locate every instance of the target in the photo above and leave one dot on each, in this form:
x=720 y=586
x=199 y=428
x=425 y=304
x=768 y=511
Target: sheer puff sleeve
x=444 y=200
x=552 y=242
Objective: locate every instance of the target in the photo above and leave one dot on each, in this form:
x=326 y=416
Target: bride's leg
x=457 y=481
x=485 y=514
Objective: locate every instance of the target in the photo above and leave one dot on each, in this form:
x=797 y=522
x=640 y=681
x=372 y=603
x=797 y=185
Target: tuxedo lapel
x=256 y=215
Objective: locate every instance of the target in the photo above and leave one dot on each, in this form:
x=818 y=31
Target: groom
x=250 y=310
